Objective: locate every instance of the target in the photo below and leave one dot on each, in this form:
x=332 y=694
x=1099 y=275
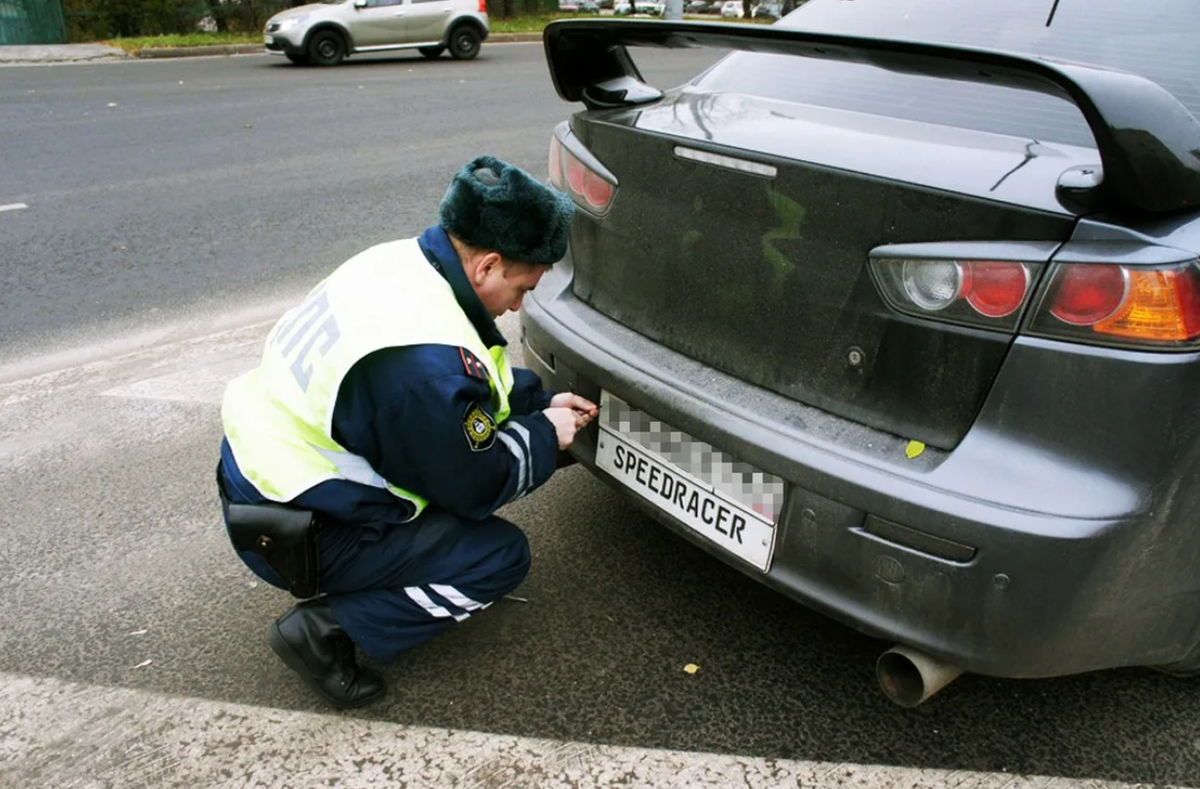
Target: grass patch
x=534 y=23
x=132 y=45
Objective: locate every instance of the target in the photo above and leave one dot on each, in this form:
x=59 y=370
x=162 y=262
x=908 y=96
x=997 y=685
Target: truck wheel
x=327 y=48
x=464 y=43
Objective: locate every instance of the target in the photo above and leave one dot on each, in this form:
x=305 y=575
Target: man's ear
x=485 y=264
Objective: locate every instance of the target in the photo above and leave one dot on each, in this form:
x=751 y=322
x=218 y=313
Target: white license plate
x=737 y=529
x=268 y=39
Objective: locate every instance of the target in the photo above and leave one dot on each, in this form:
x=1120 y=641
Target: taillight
x=1084 y=295
x=587 y=186
x=1125 y=305
x=995 y=289
x=987 y=293
x=483 y=6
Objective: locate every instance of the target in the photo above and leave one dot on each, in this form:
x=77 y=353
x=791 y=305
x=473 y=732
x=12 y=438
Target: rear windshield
x=1157 y=40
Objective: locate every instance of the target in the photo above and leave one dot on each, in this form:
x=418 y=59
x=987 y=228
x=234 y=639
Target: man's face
x=502 y=286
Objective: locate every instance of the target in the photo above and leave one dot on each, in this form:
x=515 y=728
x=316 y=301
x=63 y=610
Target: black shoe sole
x=280 y=647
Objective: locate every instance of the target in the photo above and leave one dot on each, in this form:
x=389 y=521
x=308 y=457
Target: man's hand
x=585 y=410
x=569 y=413
x=565 y=426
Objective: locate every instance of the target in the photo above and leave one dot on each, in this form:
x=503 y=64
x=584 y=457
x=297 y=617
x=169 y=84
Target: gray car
x=915 y=339
x=326 y=33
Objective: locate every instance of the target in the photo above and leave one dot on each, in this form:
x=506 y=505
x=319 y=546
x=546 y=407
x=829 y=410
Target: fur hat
x=497 y=206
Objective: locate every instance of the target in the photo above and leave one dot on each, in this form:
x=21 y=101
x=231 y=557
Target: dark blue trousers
x=394 y=588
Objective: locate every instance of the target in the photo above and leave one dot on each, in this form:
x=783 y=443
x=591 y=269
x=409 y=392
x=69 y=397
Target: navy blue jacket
x=405 y=411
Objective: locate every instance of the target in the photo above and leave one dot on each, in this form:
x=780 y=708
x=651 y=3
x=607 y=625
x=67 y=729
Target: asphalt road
x=199 y=185
x=214 y=188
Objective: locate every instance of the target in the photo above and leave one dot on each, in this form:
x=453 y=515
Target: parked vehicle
x=920 y=348
x=733 y=9
x=326 y=33
x=697 y=7
x=767 y=11
x=651 y=7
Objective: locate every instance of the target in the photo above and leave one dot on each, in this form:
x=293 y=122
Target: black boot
x=316 y=647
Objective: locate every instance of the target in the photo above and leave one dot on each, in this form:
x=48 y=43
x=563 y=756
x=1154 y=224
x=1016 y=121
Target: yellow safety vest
x=278 y=417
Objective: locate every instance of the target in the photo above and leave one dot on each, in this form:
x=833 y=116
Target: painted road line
x=13 y=207
x=65 y=734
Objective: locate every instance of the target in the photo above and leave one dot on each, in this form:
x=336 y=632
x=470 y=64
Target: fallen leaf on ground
x=691 y=668
x=914 y=449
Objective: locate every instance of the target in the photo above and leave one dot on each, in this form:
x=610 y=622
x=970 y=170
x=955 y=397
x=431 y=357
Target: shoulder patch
x=474 y=367
x=479 y=428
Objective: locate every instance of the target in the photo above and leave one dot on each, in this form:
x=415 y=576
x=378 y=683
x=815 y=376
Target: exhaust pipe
x=909 y=677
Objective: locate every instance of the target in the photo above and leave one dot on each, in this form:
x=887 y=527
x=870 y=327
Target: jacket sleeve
x=527 y=394
x=436 y=435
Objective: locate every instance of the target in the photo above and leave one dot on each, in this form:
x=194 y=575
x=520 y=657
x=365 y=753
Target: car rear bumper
x=1007 y=556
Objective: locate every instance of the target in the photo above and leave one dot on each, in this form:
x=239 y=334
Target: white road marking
x=13 y=207
x=195 y=384
x=67 y=734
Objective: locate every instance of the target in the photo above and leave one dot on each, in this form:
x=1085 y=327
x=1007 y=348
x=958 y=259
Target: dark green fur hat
x=497 y=206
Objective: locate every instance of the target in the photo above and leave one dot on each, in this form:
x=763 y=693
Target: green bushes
x=95 y=20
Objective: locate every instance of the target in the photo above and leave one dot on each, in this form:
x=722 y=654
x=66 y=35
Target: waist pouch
x=285 y=537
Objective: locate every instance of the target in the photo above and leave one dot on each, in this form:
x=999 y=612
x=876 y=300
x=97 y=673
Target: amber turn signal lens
x=1160 y=306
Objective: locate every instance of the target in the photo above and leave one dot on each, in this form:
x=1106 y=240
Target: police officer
x=384 y=406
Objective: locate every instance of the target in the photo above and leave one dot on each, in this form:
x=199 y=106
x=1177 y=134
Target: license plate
x=708 y=512
x=268 y=40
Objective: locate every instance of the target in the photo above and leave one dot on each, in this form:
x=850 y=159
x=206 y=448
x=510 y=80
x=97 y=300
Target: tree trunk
x=217 y=11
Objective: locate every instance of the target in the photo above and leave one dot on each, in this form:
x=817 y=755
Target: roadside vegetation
x=524 y=23
x=133 y=44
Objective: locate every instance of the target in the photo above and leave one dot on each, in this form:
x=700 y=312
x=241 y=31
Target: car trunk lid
x=756 y=259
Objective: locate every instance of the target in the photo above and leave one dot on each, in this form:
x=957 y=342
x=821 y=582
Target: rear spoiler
x=1149 y=143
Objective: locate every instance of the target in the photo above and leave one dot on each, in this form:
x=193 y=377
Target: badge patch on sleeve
x=479 y=427
x=474 y=367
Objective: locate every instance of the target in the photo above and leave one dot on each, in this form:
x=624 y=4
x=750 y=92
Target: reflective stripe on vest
x=278 y=417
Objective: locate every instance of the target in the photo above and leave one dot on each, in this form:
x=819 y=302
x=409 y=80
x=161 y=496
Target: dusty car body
x=917 y=334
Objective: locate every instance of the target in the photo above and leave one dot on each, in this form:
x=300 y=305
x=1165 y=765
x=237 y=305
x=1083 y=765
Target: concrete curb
x=193 y=52
x=254 y=49
x=12 y=54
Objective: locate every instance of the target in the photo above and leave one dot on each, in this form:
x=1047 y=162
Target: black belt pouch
x=285 y=537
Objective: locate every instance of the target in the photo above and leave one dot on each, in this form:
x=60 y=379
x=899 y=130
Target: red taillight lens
x=587 y=187
x=1087 y=294
x=995 y=288
x=483 y=6
x=575 y=174
x=596 y=190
